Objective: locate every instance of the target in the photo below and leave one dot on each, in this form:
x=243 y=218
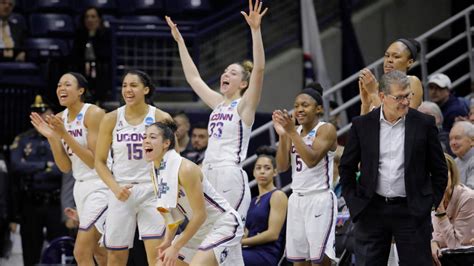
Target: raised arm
x=61 y=158
x=276 y=219
x=284 y=145
x=210 y=97
x=93 y=117
x=324 y=142
x=251 y=97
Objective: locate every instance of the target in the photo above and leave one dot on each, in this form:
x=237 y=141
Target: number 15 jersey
x=306 y=179
x=128 y=163
x=228 y=136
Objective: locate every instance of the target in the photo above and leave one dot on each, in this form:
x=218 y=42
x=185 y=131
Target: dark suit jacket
x=19 y=33
x=425 y=164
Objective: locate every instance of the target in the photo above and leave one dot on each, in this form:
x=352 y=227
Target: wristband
x=440 y=214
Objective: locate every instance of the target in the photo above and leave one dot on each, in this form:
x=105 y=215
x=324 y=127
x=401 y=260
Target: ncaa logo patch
x=148 y=120
x=79 y=116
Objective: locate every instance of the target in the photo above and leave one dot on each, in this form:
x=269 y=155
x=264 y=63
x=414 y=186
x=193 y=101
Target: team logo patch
x=79 y=116
x=232 y=106
x=312 y=133
x=148 y=120
x=223 y=255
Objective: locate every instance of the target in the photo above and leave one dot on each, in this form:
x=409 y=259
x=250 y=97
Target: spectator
x=182 y=133
x=431 y=108
x=37 y=184
x=199 y=139
x=91 y=53
x=451 y=106
x=263 y=243
x=461 y=141
x=453 y=221
x=12 y=33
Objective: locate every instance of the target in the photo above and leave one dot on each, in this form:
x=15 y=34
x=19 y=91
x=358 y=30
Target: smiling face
x=154 y=145
x=133 y=90
x=459 y=141
x=394 y=109
x=68 y=90
x=263 y=171
x=397 y=57
x=306 y=109
x=232 y=80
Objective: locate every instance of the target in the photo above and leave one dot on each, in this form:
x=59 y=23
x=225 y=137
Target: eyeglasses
x=401 y=98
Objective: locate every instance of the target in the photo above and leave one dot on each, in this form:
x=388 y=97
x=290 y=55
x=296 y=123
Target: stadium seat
x=18 y=18
x=41 y=48
x=149 y=7
x=48 y=6
x=106 y=6
x=143 y=18
x=20 y=73
x=51 y=25
x=196 y=6
x=59 y=252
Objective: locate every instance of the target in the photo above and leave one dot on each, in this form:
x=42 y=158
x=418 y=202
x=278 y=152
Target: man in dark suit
x=403 y=174
x=12 y=33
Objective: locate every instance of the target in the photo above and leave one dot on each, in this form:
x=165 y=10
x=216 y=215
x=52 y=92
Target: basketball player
x=312 y=209
x=233 y=113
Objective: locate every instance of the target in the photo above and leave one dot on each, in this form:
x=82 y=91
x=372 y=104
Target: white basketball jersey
x=228 y=136
x=128 y=162
x=216 y=205
x=306 y=179
x=78 y=131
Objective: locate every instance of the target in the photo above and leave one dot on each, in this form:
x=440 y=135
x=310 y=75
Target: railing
x=214 y=43
x=376 y=67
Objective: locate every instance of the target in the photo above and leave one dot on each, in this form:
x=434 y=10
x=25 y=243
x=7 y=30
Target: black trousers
x=383 y=221
x=37 y=215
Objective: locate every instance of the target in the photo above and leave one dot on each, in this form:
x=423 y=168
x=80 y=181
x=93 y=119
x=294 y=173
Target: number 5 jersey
x=306 y=179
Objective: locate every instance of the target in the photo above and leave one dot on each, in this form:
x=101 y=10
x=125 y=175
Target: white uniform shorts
x=223 y=237
x=310 y=229
x=122 y=218
x=233 y=184
x=91 y=197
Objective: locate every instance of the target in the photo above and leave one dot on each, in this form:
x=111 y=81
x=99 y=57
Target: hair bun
x=247 y=65
x=266 y=150
x=315 y=86
x=171 y=124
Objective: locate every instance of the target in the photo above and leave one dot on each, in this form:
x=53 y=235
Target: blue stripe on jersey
x=240 y=140
x=326 y=165
x=181 y=209
x=87 y=227
x=213 y=203
x=225 y=239
x=243 y=191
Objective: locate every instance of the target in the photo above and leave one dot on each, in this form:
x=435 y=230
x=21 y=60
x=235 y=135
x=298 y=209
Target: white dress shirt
x=391 y=179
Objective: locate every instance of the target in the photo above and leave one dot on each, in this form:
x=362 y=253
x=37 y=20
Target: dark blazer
x=18 y=30
x=425 y=165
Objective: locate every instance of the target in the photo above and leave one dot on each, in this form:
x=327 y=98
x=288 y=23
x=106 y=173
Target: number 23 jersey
x=129 y=164
x=228 y=136
x=306 y=179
